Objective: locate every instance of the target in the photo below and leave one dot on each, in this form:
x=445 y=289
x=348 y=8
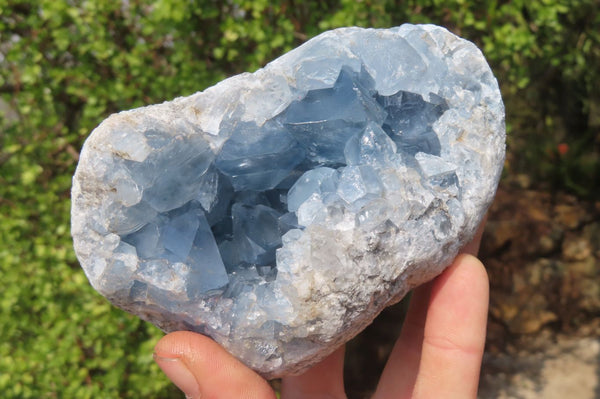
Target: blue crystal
x=172 y=176
x=279 y=211
x=207 y=272
x=372 y=147
x=259 y=227
x=436 y=170
x=179 y=233
x=260 y=224
x=146 y=241
x=214 y=195
x=208 y=191
x=258 y=158
x=126 y=220
x=182 y=235
x=325 y=119
x=320 y=180
x=358 y=181
x=409 y=122
x=227 y=213
x=288 y=221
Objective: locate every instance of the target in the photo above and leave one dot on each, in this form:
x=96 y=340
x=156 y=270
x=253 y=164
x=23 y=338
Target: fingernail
x=179 y=374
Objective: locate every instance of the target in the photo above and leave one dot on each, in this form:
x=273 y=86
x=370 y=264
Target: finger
x=400 y=372
x=202 y=368
x=439 y=350
x=454 y=335
x=324 y=380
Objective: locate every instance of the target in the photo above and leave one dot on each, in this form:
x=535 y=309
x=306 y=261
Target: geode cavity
x=279 y=212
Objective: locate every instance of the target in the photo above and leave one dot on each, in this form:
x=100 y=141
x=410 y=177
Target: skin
x=438 y=353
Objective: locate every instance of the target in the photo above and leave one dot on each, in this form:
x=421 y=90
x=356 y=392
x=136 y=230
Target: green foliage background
x=65 y=65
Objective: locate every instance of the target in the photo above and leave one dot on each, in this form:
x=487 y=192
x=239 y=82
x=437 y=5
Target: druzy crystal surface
x=279 y=212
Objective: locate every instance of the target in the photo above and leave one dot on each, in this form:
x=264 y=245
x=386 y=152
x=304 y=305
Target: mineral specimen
x=279 y=212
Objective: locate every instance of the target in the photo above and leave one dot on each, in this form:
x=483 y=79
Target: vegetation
x=65 y=65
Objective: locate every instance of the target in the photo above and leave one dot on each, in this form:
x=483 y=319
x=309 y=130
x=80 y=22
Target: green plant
x=65 y=65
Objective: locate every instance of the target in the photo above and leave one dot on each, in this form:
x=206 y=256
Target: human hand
x=438 y=353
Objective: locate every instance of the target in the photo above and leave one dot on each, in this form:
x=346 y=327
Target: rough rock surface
x=279 y=212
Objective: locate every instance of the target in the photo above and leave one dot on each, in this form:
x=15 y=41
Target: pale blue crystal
x=372 y=147
x=128 y=193
x=208 y=191
x=175 y=285
x=409 y=122
x=259 y=158
x=214 y=195
x=358 y=181
x=146 y=241
x=288 y=221
x=279 y=211
x=207 y=271
x=320 y=181
x=179 y=233
x=121 y=269
x=123 y=220
x=436 y=170
x=325 y=119
x=177 y=172
x=259 y=227
x=311 y=210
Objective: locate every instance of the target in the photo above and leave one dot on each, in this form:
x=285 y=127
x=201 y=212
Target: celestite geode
x=279 y=212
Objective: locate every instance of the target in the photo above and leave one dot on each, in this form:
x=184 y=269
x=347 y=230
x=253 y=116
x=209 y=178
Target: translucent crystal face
x=225 y=219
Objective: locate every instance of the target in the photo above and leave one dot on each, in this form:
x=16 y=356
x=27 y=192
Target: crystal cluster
x=278 y=212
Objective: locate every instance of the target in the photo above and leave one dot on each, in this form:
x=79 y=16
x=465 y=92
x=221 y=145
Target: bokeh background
x=65 y=65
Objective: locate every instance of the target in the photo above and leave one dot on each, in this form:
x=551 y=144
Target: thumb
x=201 y=368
